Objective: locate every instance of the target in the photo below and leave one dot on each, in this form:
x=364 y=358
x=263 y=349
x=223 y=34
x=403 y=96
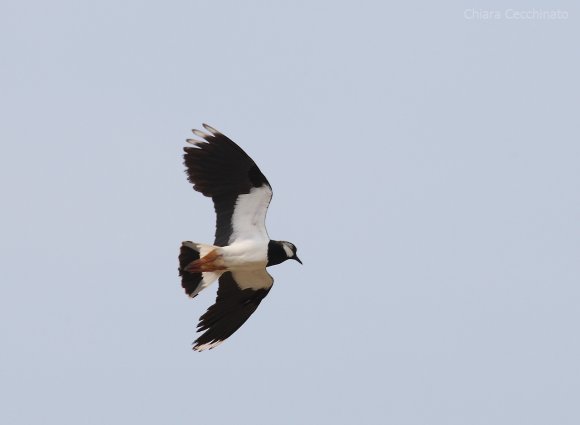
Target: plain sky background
x=426 y=165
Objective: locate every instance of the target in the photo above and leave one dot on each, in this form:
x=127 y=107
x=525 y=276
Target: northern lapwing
x=242 y=249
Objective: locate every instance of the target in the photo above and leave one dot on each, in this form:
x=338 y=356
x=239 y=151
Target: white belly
x=245 y=254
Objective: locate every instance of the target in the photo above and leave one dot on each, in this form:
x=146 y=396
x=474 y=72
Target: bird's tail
x=194 y=282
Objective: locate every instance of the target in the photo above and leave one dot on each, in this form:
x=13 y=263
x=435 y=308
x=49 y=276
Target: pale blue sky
x=424 y=163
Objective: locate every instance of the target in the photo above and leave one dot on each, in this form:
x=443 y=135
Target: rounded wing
x=220 y=169
x=239 y=295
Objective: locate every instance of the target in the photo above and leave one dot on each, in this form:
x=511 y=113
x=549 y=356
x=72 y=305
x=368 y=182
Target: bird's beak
x=297 y=259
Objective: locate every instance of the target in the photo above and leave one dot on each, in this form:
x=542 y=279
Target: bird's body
x=242 y=249
x=246 y=254
x=240 y=255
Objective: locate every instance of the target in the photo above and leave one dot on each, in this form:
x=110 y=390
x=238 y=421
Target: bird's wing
x=238 y=296
x=220 y=169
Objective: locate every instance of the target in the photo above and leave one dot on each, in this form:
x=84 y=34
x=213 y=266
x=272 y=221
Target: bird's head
x=290 y=250
x=280 y=251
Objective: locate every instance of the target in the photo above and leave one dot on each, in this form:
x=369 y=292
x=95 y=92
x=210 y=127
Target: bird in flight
x=242 y=249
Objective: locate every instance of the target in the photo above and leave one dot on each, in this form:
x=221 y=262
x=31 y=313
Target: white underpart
x=207 y=279
x=253 y=279
x=204 y=249
x=248 y=244
x=249 y=217
x=245 y=255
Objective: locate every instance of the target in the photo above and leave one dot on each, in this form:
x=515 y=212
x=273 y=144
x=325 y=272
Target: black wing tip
x=233 y=307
